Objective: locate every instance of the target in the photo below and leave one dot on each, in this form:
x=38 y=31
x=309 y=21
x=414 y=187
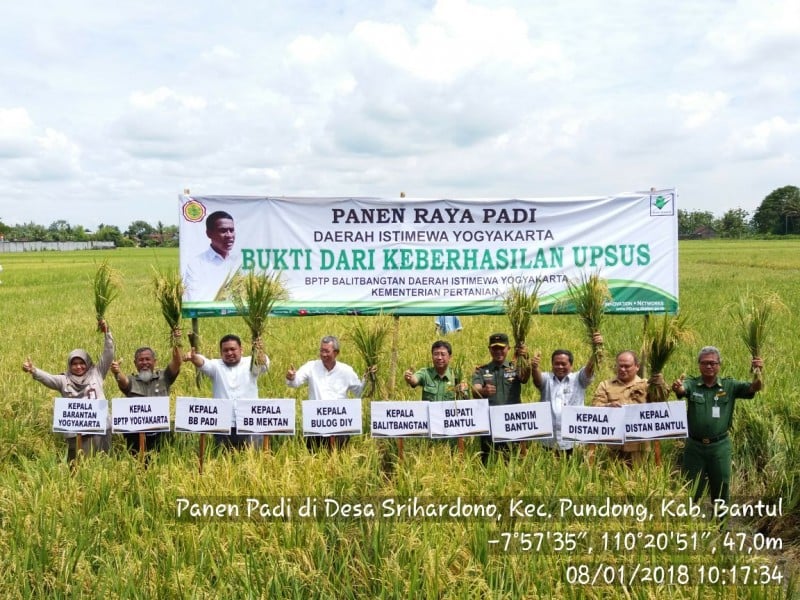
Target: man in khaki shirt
x=628 y=388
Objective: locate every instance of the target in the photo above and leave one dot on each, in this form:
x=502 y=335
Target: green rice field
x=110 y=528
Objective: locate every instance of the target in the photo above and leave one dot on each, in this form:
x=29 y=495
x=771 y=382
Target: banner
x=80 y=415
x=266 y=416
x=399 y=419
x=129 y=415
x=426 y=256
x=657 y=420
x=516 y=422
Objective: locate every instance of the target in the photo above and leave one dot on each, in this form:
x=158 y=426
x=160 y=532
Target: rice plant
x=105 y=287
x=755 y=315
x=662 y=337
x=589 y=295
x=168 y=290
x=520 y=303
x=369 y=336
x=254 y=301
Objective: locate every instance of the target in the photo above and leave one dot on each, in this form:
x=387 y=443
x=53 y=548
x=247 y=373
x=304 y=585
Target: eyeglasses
x=708 y=363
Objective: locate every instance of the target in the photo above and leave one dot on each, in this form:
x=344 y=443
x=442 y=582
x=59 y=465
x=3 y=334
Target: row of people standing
x=710 y=398
x=710 y=405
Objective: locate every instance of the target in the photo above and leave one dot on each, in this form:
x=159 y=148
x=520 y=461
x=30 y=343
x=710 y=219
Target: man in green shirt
x=709 y=414
x=500 y=381
x=438 y=382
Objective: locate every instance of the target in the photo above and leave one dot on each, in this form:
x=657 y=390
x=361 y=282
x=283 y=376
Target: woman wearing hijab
x=82 y=379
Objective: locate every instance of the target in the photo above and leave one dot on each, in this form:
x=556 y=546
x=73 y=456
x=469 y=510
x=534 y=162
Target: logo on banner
x=662 y=205
x=193 y=211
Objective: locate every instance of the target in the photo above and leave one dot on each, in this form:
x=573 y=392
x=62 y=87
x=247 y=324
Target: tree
x=140 y=231
x=59 y=231
x=29 y=232
x=779 y=212
x=733 y=223
x=108 y=233
x=690 y=222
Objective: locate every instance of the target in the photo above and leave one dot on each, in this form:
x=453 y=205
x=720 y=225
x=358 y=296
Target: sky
x=109 y=110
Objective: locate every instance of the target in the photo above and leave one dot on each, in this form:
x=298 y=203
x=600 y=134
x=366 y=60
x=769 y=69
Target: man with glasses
x=438 y=382
x=709 y=413
x=628 y=388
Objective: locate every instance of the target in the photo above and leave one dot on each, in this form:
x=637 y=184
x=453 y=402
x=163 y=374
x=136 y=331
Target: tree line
x=138 y=233
x=778 y=214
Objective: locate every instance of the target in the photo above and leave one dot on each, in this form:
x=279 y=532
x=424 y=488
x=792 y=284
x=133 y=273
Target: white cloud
x=461 y=37
x=699 y=107
x=774 y=136
x=164 y=96
x=465 y=97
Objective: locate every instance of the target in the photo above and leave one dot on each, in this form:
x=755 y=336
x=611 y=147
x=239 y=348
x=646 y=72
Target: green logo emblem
x=661 y=202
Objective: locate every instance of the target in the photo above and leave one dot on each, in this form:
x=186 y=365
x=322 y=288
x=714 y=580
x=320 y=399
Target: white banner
x=593 y=424
x=80 y=415
x=267 y=416
x=332 y=417
x=658 y=420
x=515 y=422
x=140 y=414
x=203 y=415
x=429 y=256
x=396 y=419
x=459 y=418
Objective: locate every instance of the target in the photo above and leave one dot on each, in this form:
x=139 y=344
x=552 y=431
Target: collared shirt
x=633 y=392
x=569 y=391
x=505 y=379
x=435 y=386
x=233 y=382
x=327 y=385
x=206 y=273
x=158 y=386
x=701 y=400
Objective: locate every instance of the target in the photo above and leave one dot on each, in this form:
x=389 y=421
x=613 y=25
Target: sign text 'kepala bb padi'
x=427 y=257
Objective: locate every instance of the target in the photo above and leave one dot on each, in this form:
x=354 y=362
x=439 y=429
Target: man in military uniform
x=709 y=413
x=500 y=381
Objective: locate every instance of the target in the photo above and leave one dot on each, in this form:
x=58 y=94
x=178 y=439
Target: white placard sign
x=80 y=415
x=457 y=418
x=396 y=419
x=332 y=417
x=146 y=413
x=514 y=422
x=593 y=424
x=203 y=415
x=657 y=420
x=275 y=416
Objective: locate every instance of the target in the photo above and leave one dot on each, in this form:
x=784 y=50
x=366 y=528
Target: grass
x=109 y=529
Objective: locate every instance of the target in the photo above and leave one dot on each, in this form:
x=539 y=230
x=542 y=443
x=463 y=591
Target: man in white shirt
x=207 y=273
x=232 y=378
x=561 y=387
x=327 y=379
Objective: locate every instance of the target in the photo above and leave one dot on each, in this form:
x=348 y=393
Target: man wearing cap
x=709 y=413
x=500 y=381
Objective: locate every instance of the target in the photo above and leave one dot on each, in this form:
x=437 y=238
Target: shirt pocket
x=696 y=399
x=430 y=389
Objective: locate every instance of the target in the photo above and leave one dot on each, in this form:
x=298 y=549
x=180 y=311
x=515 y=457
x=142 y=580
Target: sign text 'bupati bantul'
x=427 y=257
